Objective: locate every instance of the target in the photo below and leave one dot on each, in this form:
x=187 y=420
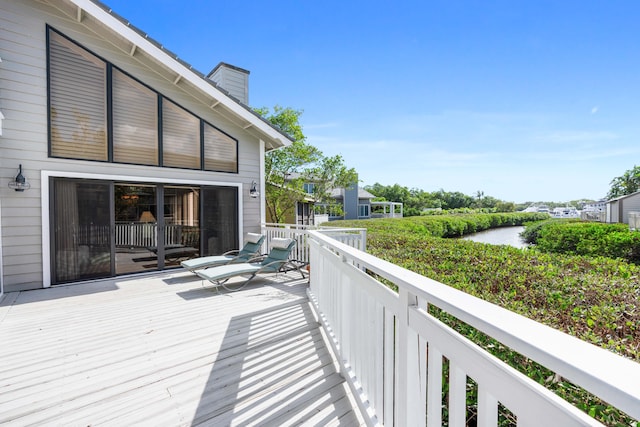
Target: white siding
x=630 y=204
x=23 y=101
x=234 y=81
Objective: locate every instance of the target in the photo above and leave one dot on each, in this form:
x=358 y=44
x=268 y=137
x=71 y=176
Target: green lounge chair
x=275 y=262
x=252 y=245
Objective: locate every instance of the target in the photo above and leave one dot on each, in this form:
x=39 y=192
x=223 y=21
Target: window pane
x=78 y=101
x=81 y=230
x=220 y=151
x=220 y=219
x=180 y=137
x=135 y=121
x=182 y=224
x=136 y=228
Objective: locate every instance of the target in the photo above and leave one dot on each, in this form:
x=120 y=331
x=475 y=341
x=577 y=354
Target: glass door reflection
x=80 y=234
x=136 y=228
x=181 y=224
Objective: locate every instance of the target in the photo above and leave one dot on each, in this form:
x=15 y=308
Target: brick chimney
x=234 y=80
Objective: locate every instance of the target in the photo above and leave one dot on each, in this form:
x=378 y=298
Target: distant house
x=356 y=203
x=301 y=212
x=618 y=209
x=349 y=203
x=117 y=157
x=595 y=211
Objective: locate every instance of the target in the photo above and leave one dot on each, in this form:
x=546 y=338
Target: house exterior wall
x=612 y=209
x=630 y=204
x=618 y=209
x=234 y=80
x=23 y=101
x=350 y=202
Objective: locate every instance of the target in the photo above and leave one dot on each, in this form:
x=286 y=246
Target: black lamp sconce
x=253 y=190
x=20 y=183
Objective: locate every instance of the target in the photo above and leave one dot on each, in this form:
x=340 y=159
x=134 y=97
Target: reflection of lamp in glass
x=147 y=216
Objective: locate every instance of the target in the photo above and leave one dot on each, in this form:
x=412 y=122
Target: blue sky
x=530 y=100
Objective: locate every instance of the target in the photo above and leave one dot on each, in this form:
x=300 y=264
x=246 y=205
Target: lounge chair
x=251 y=248
x=275 y=262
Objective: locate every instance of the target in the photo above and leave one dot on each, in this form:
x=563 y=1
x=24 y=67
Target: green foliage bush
x=445 y=225
x=586 y=238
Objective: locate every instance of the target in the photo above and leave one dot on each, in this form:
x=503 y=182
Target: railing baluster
x=457 y=396
x=434 y=387
x=487 y=408
x=390 y=365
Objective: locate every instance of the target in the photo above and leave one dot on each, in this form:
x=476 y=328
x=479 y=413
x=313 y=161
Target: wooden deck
x=164 y=351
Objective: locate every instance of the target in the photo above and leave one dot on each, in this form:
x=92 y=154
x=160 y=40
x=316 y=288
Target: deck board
x=166 y=350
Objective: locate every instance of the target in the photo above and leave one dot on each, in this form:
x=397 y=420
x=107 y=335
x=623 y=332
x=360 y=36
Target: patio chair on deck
x=251 y=248
x=276 y=261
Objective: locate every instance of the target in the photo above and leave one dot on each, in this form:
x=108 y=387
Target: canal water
x=499 y=236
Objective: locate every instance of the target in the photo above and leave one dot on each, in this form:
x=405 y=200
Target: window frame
x=110 y=122
x=364 y=207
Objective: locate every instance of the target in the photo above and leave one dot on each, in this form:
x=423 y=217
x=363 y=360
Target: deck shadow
x=273 y=368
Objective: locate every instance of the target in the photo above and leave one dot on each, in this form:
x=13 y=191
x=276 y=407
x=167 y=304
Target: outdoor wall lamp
x=253 y=190
x=20 y=183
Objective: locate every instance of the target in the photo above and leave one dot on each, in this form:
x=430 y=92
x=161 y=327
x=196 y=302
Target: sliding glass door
x=220 y=219
x=181 y=215
x=135 y=227
x=81 y=238
x=107 y=228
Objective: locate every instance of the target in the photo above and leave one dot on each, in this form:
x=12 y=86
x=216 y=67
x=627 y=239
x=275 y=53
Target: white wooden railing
x=354 y=237
x=391 y=350
x=140 y=234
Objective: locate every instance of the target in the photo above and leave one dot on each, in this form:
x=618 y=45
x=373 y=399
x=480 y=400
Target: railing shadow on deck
x=273 y=369
x=391 y=350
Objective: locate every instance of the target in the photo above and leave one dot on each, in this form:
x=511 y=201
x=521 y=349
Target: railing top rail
x=340 y=229
x=289 y=226
x=603 y=373
x=308 y=227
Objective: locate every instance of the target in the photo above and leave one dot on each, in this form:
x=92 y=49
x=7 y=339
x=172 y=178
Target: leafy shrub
x=444 y=225
x=532 y=231
x=586 y=238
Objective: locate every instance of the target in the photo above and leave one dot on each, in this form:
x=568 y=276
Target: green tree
x=287 y=169
x=628 y=183
x=502 y=206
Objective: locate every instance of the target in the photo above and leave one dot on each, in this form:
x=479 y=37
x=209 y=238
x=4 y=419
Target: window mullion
x=109 y=87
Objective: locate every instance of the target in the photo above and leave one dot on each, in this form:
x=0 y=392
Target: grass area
x=593 y=298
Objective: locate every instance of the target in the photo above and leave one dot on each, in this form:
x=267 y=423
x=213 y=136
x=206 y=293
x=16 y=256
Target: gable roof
x=102 y=20
x=624 y=197
x=338 y=193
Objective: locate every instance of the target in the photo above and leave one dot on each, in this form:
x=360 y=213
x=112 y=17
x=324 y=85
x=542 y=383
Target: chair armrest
x=235 y=251
x=258 y=258
x=271 y=265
